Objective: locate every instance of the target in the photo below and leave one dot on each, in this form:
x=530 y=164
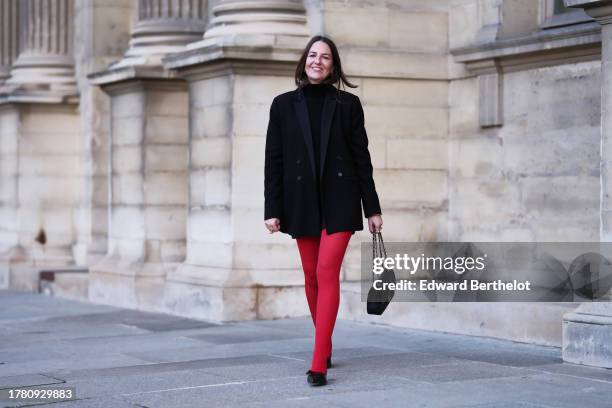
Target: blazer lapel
x=304 y=121
x=329 y=107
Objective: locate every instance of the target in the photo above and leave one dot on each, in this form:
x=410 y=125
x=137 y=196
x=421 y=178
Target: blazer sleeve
x=361 y=155
x=273 y=167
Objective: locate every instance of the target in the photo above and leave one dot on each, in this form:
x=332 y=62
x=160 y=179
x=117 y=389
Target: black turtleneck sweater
x=315 y=97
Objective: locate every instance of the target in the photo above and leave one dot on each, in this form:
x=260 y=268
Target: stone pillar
x=40 y=178
x=8 y=135
x=163 y=27
x=234 y=269
x=236 y=21
x=45 y=63
x=587 y=332
x=8 y=37
x=9 y=238
x=148 y=158
x=40 y=145
x=148 y=205
x=103 y=29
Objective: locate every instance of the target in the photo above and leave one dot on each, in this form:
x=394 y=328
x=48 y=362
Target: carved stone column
x=164 y=27
x=45 y=62
x=240 y=21
x=8 y=37
x=8 y=135
x=587 y=332
x=39 y=121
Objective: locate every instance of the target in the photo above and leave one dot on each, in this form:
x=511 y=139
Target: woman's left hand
x=375 y=223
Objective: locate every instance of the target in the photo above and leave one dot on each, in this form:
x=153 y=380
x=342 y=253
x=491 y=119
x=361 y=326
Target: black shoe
x=315 y=378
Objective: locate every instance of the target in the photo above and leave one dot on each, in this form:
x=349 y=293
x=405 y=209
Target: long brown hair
x=335 y=77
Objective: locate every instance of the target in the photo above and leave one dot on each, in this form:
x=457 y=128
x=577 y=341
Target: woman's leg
x=331 y=252
x=309 y=253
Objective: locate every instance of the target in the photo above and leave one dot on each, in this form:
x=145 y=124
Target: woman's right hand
x=273 y=225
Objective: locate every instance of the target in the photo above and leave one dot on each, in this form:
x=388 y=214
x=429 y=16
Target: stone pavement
x=122 y=358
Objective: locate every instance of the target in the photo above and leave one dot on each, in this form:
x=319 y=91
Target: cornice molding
x=544 y=48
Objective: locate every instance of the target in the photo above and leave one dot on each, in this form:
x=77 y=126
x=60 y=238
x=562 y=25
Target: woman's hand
x=273 y=225
x=375 y=223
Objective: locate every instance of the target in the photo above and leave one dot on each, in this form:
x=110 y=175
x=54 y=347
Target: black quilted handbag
x=378 y=300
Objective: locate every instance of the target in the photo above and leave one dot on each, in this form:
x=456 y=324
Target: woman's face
x=319 y=62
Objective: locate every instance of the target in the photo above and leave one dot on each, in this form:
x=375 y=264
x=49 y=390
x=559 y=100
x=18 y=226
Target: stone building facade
x=132 y=136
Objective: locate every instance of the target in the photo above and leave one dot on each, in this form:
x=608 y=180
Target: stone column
x=234 y=269
x=8 y=135
x=45 y=62
x=587 y=332
x=40 y=153
x=148 y=204
x=238 y=20
x=148 y=158
x=8 y=37
x=103 y=31
x=163 y=27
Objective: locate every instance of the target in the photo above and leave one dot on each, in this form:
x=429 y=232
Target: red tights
x=321 y=260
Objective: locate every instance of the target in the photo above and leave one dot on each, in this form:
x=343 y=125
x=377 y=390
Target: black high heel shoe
x=315 y=378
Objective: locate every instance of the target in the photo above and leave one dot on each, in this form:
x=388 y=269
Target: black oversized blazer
x=345 y=170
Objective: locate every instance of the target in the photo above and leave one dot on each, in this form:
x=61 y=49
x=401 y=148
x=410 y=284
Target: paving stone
x=574 y=370
x=50 y=365
x=34 y=337
x=143 y=320
x=27 y=355
x=144 y=369
x=507 y=404
x=458 y=371
x=273 y=348
x=233 y=338
x=98 y=402
x=91 y=387
x=339 y=354
x=27 y=380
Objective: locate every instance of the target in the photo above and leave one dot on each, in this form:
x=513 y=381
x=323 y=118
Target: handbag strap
x=373 y=247
x=378 y=248
x=382 y=245
x=374 y=254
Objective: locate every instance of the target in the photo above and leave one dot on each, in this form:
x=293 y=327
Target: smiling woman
x=319 y=62
x=318 y=173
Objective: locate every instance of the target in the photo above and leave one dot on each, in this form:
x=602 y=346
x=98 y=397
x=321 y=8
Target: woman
x=317 y=173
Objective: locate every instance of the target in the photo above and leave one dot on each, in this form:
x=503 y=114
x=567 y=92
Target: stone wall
x=536 y=176
x=397 y=54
